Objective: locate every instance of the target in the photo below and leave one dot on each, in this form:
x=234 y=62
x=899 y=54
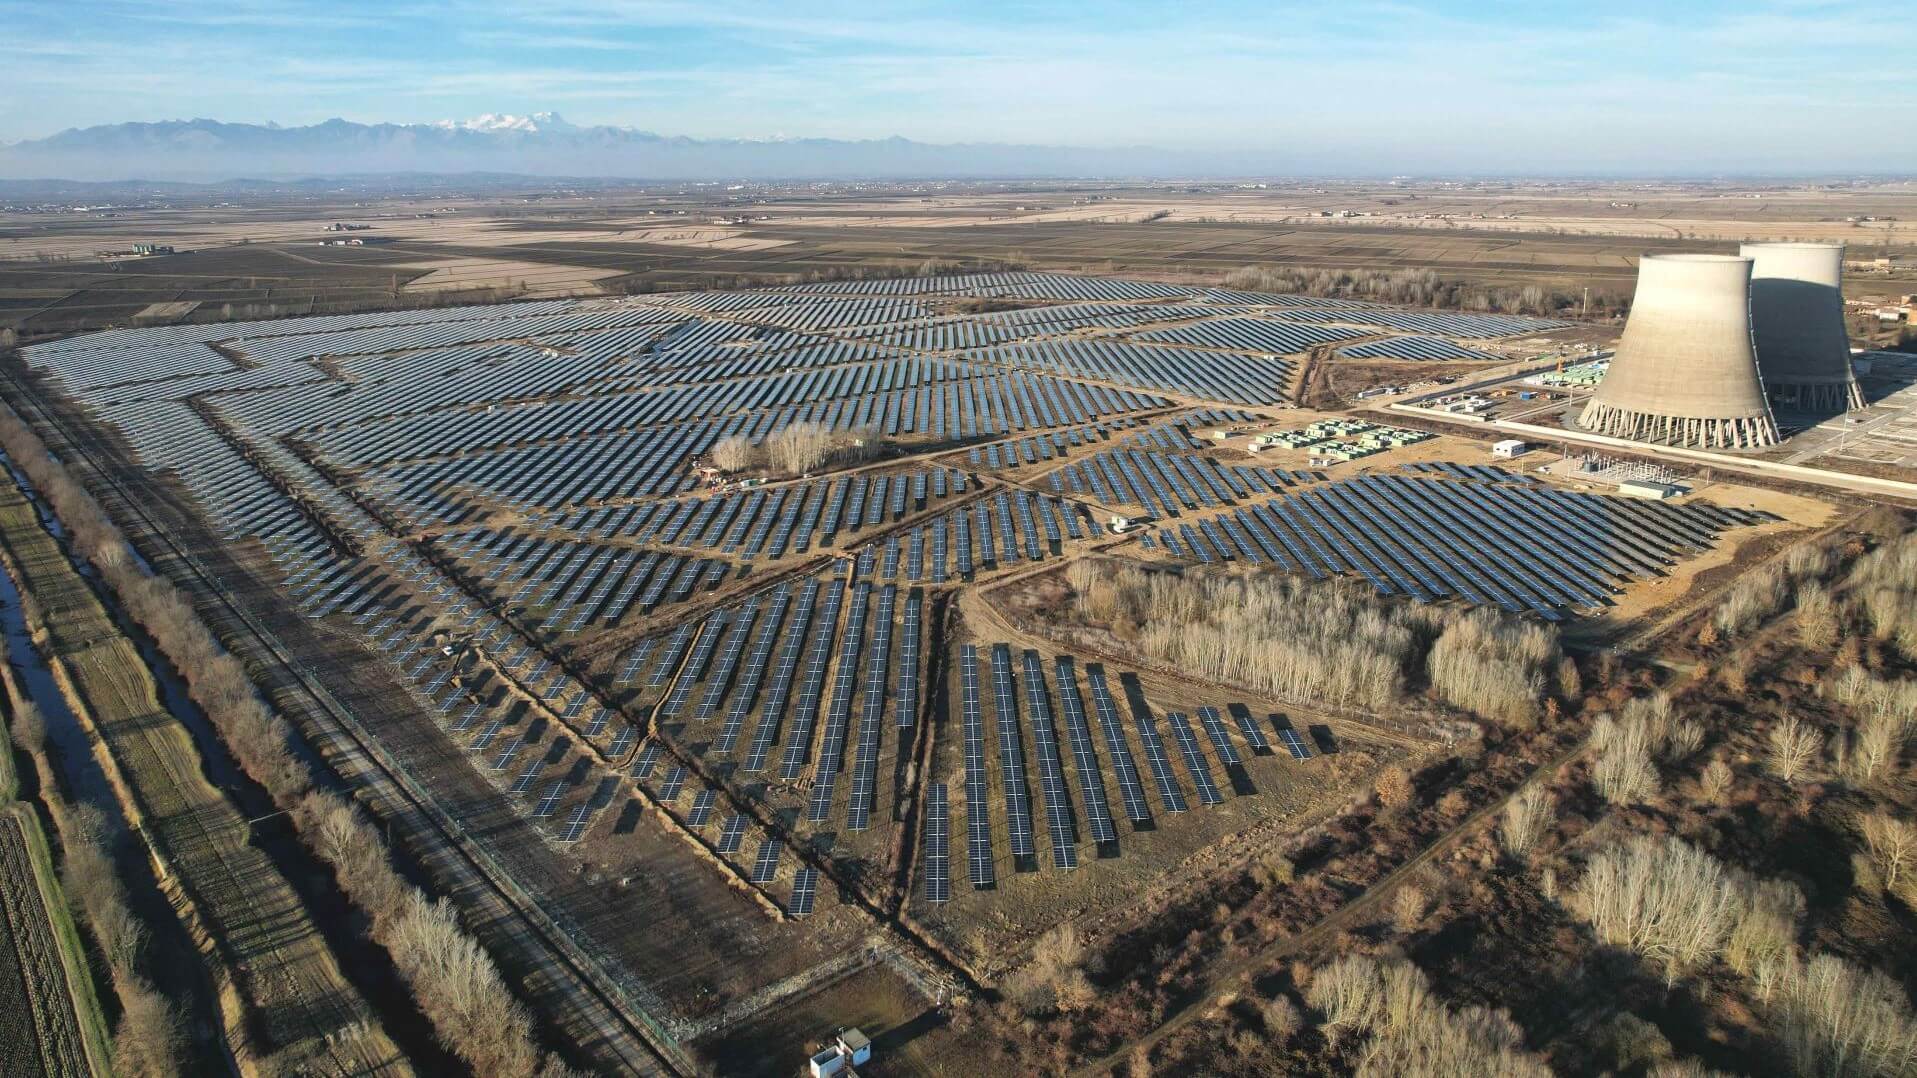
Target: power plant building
x=1686 y=370
x=1797 y=319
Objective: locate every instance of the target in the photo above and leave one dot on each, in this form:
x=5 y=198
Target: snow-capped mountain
x=538 y=144
x=531 y=123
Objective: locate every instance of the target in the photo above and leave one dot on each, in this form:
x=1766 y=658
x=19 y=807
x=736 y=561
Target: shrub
x=1281 y=1018
x=1394 y=787
x=1055 y=977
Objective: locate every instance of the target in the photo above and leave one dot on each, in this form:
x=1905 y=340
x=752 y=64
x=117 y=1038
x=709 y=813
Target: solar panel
x=578 y=821
x=865 y=762
x=1051 y=769
x=780 y=690
x=800 y=743
x=505 y=758
x=720 y=680
x=622 y=741
x=1090 y=784
x=525 y=780
x=977 y=808
x=1254 y=736
x=675 y=781
x=1130 y=790
x=805 y=891
x=908 y=689
x=754 y=672
x=1011 y=756
x=730 y=833
x=1195 y=761
x=648 y=756
x=701 y=808
x=838 y=713
x=1168 y=790
x=766 y=865
x=938 y=857
x=550 y=802
x=695 y=666
x=1293 y=743
x=1215 y=729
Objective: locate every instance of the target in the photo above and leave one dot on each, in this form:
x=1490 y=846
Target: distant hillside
x=542 y=144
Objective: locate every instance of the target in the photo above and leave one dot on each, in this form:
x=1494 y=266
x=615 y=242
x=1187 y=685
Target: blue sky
x=1679 y=86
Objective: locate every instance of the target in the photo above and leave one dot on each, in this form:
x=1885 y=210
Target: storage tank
x=1685 y=372
x=1797 y=319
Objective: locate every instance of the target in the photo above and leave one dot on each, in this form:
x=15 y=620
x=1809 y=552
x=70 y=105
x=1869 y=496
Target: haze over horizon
x=1784 y=87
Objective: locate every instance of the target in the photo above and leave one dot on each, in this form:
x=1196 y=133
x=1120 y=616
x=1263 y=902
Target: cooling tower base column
x=1735 y=432
x=1824 y=398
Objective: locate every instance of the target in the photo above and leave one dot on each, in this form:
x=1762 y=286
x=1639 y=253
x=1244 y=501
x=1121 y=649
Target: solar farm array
x=500 y=502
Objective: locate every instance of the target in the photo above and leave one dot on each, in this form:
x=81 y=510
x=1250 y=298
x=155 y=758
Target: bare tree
x=1662 y=898
x=1714 y=782
x=1408 y=907
x=1817 y=624
x=1837 y=1019
x=1624 y=772
x=1407 y=1030
x=1892 y=845
x=1525 y=819
x=1794 y=748
x=1767 y=931
x=1493 y=665
x=800 y=447
x=734 y=453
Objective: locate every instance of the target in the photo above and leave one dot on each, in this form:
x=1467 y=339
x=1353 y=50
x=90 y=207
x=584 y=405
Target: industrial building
x=1797 y=321
x=1685 y=372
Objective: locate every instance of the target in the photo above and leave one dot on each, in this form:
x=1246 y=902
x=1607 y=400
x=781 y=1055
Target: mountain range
x=540 y=144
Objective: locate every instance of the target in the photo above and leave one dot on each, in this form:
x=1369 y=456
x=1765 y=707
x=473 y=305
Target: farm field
x=776 y=642
x=39 y=998
x=286 y=993
x=253 y=256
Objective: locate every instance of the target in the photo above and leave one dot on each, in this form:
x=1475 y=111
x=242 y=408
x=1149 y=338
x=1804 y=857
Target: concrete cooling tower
x=1797 y=318
x=1685 y=373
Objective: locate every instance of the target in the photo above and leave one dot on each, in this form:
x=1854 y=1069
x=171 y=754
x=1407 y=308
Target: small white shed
x=1510 y=447
x=1644 y=488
